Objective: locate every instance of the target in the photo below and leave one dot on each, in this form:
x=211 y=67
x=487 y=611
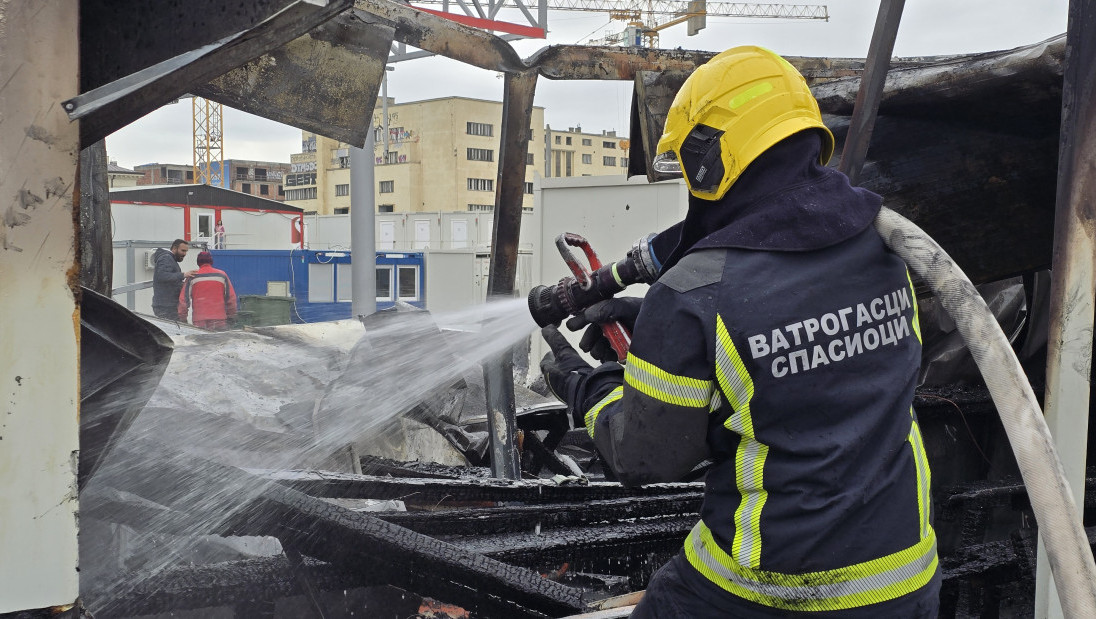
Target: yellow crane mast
x=209 y=164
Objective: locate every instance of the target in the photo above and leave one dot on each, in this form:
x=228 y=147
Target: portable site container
x=318 y=282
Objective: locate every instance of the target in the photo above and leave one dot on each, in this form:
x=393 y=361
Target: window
x=384 y=283
x=568 y=140
x=281 y=191
x=483 y=129
x=308 y=193
x=481 y=184
x=528 y=187
x=260 y=174
x=344 y=162
x=205 y=226
x=190 y=175
x=345 y=210
x=557 y=139
x=587 y=159
x=409 y=283
x=321 y=283
x=308 y=145
x=245 y=187
x=342 y=190
x=388 y=186
x=587 y=142
x=528 y=158
x=608 y=144
x=623 y=162
x=344 y=282
x=608 y=161
x=292 y=180
x=481 y=154
x=481 y=208
x=386 y=208
x=264 y=190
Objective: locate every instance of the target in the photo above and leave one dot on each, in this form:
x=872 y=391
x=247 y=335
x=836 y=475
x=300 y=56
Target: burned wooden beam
x=596 y=548
x=187 y=587
x=546 y=517
x=349 y=486
x=350 y=540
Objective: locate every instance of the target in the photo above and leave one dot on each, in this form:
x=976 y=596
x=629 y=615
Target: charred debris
x=347 y=530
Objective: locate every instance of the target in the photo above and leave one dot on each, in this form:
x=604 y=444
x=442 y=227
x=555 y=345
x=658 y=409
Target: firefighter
x=781 y=343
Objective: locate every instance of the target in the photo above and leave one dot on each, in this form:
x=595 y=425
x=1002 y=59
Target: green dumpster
x=259 y=310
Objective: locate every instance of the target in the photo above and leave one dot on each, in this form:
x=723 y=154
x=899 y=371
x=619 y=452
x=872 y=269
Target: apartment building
x=574 y=153
x=265 y=179
x=438 y=155
x=164 y=174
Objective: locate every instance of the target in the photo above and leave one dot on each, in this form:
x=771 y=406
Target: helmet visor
x=667 y=163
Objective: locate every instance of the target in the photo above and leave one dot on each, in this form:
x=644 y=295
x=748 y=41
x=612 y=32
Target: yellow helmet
x=728 y=112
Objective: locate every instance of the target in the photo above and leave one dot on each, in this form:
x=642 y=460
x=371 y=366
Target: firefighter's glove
x=620 y=309
x=564 y=370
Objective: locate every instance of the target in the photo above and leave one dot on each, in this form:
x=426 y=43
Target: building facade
x=574 y=153
x=117 y=176
x=164 y=174
x=436 y=155
x=265 y=179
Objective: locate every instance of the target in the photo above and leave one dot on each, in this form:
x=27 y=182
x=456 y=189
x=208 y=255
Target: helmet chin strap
x=700 y=158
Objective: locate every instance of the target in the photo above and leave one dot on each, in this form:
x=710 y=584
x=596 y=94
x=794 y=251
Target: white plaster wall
x=39 y=375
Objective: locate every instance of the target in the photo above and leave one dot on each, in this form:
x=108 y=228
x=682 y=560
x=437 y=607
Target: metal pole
x=871 y=88
x=498 y=374
x=363 y=246
x=1069 y=349
x=384 y=110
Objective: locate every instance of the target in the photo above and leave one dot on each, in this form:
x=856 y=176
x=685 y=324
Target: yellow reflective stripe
x=734 y=380
x=916 y=315
x=737 y=386
x=924 y=476
x=752 y=93
x=666 y=387
x=857 y=585
x=616 y=276
x=591 y=415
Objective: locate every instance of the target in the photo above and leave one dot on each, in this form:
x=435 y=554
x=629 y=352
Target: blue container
x=319 y=280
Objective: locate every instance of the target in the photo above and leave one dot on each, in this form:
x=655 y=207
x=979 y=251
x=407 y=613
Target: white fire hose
x=1060 y=525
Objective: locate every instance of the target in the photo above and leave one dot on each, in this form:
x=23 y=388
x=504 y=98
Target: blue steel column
x=498 y=374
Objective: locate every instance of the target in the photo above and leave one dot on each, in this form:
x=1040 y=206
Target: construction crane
x=645 y=18
x=209 y=163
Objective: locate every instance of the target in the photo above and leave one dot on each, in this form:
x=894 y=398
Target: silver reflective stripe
x=862 y=586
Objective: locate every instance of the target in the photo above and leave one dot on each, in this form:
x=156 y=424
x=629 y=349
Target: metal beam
x=871 y=88
x=498 y=374
x=113 y=106
x=323 y=81
x=1069 y=350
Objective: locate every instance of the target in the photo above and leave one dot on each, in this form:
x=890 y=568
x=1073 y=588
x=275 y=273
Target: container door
x=422 y=233
x=388 y=235
x=459 y=233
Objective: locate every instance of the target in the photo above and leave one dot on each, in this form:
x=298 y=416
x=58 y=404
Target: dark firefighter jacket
x=782 y=342
x=167 y=280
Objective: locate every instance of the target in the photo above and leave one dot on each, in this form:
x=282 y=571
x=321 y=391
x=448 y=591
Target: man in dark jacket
x=781 y=342
x=167 y=279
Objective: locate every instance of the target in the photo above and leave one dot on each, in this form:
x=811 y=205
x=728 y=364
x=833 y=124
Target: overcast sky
x=929 y=27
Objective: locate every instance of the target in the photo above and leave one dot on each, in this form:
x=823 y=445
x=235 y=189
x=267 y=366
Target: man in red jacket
x=209 y=292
